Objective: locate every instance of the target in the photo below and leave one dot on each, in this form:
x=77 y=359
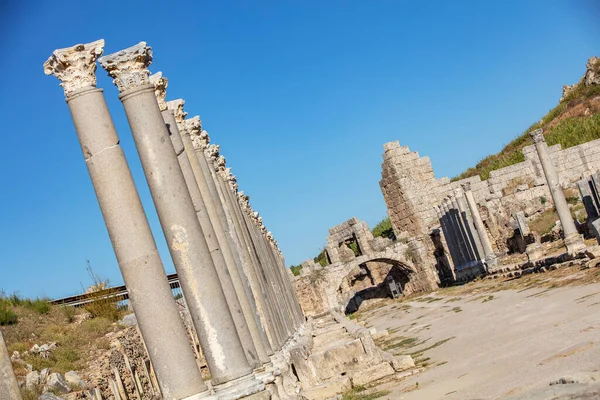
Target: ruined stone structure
x=232 y=273
x=412 y=193
x=361 y=268
x=240 y=299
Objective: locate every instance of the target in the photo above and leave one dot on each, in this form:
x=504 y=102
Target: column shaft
x=224 y=271
x=573 y=240
x=200 y=282
x=479 y=226
x=149 y=293
x=9 y=387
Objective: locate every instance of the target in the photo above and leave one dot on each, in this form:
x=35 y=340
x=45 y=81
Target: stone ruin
x=249 y=327
x=361 y=268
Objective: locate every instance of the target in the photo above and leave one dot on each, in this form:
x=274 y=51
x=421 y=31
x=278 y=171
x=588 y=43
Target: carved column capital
x=537 y=135
x=180 y=114
x=129 y=67
x=75 y=66
x=212 y=152
x=160 y=89
x=199 y=137
x=466 y=186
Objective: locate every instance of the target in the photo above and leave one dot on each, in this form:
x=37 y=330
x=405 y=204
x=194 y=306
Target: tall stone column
x=463 y=257
x=149 y=293
x=229 y=234
x=207 y=160
x=448 y=236
x=490 y=258
x=467 y=218
x=462 y=228
x=215 y=159
x=9 y=387
x=216 y=251
x=573 y=240
x=191 y=256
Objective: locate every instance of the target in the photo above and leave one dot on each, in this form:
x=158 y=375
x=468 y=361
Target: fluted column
x=573 y=240
x=490 y=258
x=216 y=251
x=149 y=293
x=467 y=218
x=9 y=387
x=189 y=250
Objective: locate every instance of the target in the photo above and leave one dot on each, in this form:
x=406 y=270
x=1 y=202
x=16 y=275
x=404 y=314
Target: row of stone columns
x=463 y=228
x=231 y=271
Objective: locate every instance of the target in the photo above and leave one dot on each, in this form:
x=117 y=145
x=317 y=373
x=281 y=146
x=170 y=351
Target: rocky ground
x=493 y=339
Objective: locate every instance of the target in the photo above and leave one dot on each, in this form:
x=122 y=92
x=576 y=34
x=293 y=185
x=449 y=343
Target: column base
x=491 y=261
x=239 y=388
x=534 y=252
x=574 y=244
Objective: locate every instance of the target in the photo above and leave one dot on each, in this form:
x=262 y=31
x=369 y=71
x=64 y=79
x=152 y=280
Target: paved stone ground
x=489 y=343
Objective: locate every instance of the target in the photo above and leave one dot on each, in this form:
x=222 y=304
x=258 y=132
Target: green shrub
x=384 y=229
x=41 y=306
x=7 y=315
x=296 y=269
x=321 y=258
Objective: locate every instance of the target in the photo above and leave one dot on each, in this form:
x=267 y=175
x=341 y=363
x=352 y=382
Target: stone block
x=373 y=373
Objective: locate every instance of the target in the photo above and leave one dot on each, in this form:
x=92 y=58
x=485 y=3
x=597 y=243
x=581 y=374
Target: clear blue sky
x=301 y=96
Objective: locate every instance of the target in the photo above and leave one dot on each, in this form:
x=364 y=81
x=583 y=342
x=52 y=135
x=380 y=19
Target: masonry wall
x=411 y=191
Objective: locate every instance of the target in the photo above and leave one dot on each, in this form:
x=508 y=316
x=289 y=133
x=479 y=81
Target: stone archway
x=367 y=277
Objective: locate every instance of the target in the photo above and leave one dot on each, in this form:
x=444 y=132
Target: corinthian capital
x=466 y=186
x=198 y=136
x=129 y=67
x=160 y=89
x=75 y=66
x=212 y=152
x=537 y=135
x=221 y=164
x=177 y=107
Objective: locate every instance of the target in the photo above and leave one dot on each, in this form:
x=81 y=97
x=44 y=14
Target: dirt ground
x=493 y=338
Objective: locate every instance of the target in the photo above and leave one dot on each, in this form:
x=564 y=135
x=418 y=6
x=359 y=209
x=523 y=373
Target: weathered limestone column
x=465 y=213
x=149 y=293
x=160 y=85
x=490 y=257
x=573 y=240
x=218 y=166
x=254 y=302
x=207 y=160
x=191 y=256
x=448 y=235
x=9 y=387
x=451 y=213
x=463 y=229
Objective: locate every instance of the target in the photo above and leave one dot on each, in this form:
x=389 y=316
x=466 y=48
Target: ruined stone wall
x=411 y=191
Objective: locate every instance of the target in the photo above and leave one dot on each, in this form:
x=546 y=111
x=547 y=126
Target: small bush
x=69 y=313
x=543 y=200
x=321 y=258
x=384 y=229
x=296 y=269
x=7 y=315
x=41 y=306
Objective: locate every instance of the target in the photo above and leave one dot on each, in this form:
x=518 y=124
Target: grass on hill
x=568 y=132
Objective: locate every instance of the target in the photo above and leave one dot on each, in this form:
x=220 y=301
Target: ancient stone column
x=226 y=234
x=216 y=251
x=456 y=230
x=207 y=161
x=149 y=293
x=447 y=235
x=573 y=240
x=217 y=167
x=490 y=258
x=9 y=387
x=191 y=256
x=467 y=219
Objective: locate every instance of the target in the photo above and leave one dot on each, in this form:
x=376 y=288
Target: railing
x=118 y=293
